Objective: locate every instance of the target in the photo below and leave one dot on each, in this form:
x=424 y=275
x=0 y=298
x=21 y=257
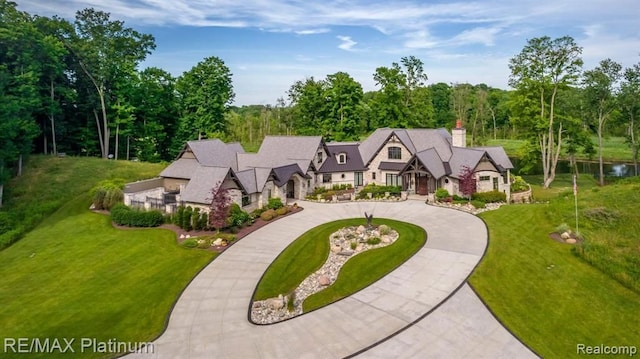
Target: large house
x=290 y=167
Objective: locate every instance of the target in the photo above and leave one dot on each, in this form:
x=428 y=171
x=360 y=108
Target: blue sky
x=268 y=45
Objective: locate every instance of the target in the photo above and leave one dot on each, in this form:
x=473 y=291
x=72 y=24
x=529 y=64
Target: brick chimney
x=459 y=135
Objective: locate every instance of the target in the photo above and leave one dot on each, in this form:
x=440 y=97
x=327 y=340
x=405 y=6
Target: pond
x=612 y=169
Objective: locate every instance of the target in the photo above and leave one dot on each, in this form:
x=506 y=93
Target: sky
x=268 y=45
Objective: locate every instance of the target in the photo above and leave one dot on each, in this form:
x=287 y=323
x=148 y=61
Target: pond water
x=613 y=169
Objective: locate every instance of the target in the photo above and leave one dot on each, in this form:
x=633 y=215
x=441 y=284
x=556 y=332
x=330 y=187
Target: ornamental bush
x=237 y=217
x=126 y=216
x=477 y=204
x=268 y=215
x=378 y=191
x=442 y=193
x=274 y=203
x=282 y=211
x=518 y=184
x=490 y=197
x=107 y=194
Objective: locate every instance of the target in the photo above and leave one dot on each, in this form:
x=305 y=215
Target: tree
x=600 y=93
x=220 y=205
x=104 y=49
x=461 y=97
x=20 y=47
x=443 y=108
x=342 y=95
x=205 y=93
x=308 y=105
x=467 y=181
x=630 y=108
x=542 y=68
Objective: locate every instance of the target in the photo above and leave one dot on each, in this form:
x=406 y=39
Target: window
x=373 y=176
x=268 y=193
x=359 y=180
x=342 y=176
x=326 y=178
x=395 y=153
x=342 y=159
x=485 y=178
x=393 y=180
x=246 y=200
x=319 y=157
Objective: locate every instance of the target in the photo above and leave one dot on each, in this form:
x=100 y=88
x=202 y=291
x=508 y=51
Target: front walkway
x=394 y=317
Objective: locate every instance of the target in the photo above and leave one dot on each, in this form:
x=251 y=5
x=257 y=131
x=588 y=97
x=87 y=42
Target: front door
x=291 y=189
x=422 y=185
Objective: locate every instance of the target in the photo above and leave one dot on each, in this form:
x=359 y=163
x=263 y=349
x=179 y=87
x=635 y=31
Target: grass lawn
x=50 y=182
x=75 y=276
x=546 y=294
x=309 y=252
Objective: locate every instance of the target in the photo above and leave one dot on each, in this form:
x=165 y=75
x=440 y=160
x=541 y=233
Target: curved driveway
x=394 y=317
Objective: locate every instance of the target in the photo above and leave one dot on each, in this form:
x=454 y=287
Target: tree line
x=75 y=87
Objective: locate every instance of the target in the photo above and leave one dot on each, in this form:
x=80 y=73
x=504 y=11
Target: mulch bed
x=242 y=232
x=556 y=237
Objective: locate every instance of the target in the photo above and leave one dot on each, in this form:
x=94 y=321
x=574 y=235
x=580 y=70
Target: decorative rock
x=565 y=235
x=275 y=303
x=360 y=229
x=324 y=281
x=336 y=248
x=217 y=242
x=182 y=236
x=188 y=236
x=347 y=253
x=570 y=240
x=385 y=239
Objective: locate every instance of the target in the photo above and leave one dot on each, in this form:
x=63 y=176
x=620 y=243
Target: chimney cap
x=458 y=123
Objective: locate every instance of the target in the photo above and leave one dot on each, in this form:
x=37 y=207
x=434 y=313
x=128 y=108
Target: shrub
x=373 y=241
x=378 y=191
x=237 y=217
x=274 y=203
x=282 y=211
x=186 y=219
x=203 y=243
x=126 y=216
x=107 y=194
x=518 y=184
x=563 y=228
x=268 y=215
x=354 y=245
x=441 y=193
x=328 y=196
x=384 y=229
x=341 y=187
x=189 y=243
x=477 y=204
x=490 y=197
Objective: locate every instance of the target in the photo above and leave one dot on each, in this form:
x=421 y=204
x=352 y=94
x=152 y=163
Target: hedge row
x=378 y=191
x=490 y=197
x=126 y=216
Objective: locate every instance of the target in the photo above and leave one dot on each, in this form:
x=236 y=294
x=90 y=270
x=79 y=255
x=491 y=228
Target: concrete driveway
x=423 y=309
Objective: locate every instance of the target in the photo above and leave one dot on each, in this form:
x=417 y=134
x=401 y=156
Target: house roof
x=248 y=180
x=284 y=173
x=415 y=140
x=463 y=156
x=499 y=156
x=354 y=160
x=214 y=152
x=181 y=168
x=204 y=178
x=391 y=166
x=432 y=162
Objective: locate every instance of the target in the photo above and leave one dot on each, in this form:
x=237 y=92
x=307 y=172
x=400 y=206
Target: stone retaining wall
x=521 y=197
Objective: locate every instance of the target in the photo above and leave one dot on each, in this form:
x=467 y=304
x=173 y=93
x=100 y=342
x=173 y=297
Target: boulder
x=570 y=240
x=324 y=281
x=217 y=242
x=275 y=303
x=565 y=235
x=385 y=239
x=336 y=248
x=346 y=253
x=360 y=229
x=182 y=236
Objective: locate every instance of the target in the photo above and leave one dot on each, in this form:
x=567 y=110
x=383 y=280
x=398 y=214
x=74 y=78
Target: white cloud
x=347 y=44
x=312 y=31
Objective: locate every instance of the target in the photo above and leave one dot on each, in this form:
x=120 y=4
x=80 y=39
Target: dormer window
x=319 y=157
x=395 y=153
x=342 y=158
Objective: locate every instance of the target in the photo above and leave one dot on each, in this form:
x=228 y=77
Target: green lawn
x=309 y=252
x=546 y=294
x=75 y=276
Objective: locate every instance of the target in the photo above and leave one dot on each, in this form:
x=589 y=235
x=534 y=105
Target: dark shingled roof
x=354 y=160
x=284 y=173
x=215 y=153
x=391 y=166
x=432 y=162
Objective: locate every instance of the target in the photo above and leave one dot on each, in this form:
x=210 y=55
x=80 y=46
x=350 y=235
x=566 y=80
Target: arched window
x=342 y=158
